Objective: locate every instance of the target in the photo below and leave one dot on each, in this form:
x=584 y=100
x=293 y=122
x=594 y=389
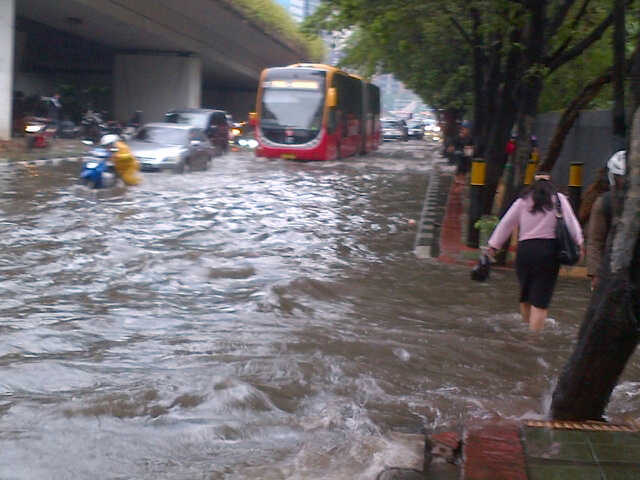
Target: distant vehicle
x=415 y=129
x=432 y=130
x=315 y=112
x=160 y=146
x=244 y=135
x=394 y=129
x=214 y=123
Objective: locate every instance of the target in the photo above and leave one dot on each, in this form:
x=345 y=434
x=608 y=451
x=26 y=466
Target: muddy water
x=264 y=319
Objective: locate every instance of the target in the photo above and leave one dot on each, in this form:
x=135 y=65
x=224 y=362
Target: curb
x=426 y=244
x=40 y=162
x=449 y=247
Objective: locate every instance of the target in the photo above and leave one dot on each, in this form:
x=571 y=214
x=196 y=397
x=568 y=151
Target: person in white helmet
x=125 y=164
x=602 y=215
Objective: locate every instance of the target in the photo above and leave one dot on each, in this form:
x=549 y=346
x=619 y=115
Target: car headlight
x=436 y=129
x=33 y=128
x=243 y=142
x=235 y=132
x=252 y=143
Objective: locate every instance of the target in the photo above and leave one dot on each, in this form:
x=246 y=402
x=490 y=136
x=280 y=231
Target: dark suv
x=213 y=122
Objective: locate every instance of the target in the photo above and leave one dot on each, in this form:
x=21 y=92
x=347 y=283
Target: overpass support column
x=155 y=83
x=7 y=31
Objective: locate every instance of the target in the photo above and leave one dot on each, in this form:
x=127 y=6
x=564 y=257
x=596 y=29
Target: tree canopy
x=498 y=60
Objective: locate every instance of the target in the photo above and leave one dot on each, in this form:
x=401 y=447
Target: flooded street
x=264 y=319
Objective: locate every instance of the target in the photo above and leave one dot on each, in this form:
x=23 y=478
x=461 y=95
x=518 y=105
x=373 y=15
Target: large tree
x=499 y=51
x=610 y=331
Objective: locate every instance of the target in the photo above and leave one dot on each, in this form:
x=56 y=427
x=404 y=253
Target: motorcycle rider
x=126 y=165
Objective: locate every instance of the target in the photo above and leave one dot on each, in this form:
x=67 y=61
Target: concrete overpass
x=153 y=54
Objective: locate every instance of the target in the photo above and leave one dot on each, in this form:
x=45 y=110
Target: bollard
x=476 y=197
x=530 y=171
x=575 y=184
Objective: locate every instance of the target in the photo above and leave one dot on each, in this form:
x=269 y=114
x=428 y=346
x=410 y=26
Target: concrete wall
x=7 y=16
x=590 y=141
x=155 y=84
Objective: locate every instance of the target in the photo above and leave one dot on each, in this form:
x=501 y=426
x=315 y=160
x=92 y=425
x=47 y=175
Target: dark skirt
x=537 y=268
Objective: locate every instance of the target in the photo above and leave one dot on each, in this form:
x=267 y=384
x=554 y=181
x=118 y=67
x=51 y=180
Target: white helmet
x=617 y=165
x=109 y=139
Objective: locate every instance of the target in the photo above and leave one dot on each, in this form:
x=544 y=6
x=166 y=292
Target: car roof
x=179 y=126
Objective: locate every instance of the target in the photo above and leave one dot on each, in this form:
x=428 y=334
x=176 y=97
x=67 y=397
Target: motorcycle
x=39 y=132
x=94 y=127
x=98 y=170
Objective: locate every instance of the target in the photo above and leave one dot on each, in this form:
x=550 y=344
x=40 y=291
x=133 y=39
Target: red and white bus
x=315 y=112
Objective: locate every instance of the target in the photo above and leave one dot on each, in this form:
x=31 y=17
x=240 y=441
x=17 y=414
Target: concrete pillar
x=155 y=84
x=7 y=19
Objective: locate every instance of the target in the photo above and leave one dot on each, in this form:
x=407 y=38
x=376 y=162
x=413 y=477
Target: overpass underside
x=128 y=55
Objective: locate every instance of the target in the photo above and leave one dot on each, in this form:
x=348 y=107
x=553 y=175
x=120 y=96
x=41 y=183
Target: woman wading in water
x=537 y=265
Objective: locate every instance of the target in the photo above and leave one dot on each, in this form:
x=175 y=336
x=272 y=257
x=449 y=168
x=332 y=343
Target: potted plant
x=486 y=224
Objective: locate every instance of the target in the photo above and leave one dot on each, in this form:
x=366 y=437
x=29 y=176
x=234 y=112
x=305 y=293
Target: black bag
x=482 y=269
x=568 y=251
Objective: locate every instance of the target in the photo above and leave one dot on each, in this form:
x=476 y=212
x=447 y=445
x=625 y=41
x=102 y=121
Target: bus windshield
x=289 y=108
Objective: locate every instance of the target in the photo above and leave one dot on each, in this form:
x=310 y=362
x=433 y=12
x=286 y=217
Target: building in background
x=396 y=99
x=299 y=9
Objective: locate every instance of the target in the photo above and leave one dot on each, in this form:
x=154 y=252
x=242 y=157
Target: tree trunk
x=619 y=34
x=610 y=331
x=500 y=128
x=480 y=101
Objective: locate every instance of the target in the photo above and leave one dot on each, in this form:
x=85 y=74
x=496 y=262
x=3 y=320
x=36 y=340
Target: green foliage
x=487 y=223
x=274 y=18
x=422 y=44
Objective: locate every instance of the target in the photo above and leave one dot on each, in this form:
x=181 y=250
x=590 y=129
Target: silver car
x=162 y=146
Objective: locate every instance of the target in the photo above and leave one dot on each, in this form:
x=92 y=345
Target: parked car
x=393 y=129
x=160 y=146
x=416 y=129
x=214 y=123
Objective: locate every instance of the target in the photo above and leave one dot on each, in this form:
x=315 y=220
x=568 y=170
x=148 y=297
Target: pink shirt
x=534 y=225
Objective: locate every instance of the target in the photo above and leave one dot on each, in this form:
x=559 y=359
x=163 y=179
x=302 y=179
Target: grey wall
x=590 y=141
x=155 y=84
x=237 y=102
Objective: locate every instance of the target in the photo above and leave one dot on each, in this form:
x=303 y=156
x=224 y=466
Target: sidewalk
x=500 y=449
x=15 y=151
x=453 y=248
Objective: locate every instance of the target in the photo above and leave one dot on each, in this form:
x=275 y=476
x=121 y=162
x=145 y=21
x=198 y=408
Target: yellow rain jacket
x=126 y=164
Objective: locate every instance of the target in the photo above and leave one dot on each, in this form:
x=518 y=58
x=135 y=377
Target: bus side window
x=332 y=121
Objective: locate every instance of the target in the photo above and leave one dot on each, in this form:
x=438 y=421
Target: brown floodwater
x=264 y=319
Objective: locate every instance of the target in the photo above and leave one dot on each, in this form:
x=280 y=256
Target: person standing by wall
x=463 y=151
x=54 y=110
x=537 y=266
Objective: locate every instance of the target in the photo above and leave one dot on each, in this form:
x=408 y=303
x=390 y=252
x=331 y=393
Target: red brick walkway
x=494 y=452
x=451 y=244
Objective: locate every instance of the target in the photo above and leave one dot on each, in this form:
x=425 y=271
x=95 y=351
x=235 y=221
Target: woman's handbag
x=568 y=251
x=481 y=271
